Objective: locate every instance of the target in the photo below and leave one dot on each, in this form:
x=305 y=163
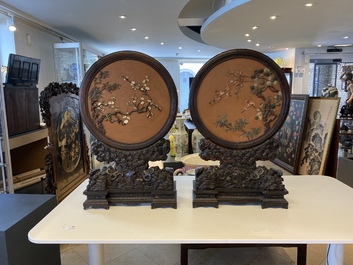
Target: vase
x=196 y=136
x=180 y=139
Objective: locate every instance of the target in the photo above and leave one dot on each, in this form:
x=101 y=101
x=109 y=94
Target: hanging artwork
x=320 y=122
x=290 y=135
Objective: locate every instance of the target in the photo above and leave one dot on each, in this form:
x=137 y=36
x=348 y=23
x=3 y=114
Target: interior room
x=59 y=143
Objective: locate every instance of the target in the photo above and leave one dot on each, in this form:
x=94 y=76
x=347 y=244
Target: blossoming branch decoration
x=110 y=110
x=260 y=80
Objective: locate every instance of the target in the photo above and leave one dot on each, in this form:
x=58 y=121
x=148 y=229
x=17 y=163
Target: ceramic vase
x=180 y=138
x=196 y=136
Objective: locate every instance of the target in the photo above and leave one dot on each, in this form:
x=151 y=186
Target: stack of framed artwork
x=305 y=137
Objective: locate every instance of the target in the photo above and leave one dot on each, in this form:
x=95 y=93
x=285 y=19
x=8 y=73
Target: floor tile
x=271 y=257
x=134 y=257
x=161 y=254
x=70 y=257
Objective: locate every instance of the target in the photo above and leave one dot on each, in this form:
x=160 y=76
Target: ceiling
x=97 y=24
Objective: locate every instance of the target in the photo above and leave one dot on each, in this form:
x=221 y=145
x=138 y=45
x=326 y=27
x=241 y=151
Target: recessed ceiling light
x=309 y=4
x=198 y=50
x=133 y=29
x=346 y=37
x=249 y=40
x=180 y=47
x=146 y=37
x=257 y=44
x=319 y=45
x=343 y=45
x=273 y=17
x=162 y=43
x=255 y=27
x=247 y=35
x=122 y=16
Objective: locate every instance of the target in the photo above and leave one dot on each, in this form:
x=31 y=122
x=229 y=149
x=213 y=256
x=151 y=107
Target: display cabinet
x=72 y=60
x=340 y=161
x=345 y=146
x=345 y=150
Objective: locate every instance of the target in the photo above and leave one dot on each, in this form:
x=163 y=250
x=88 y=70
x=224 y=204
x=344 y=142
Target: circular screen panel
x=239 y=99
x=128 y=100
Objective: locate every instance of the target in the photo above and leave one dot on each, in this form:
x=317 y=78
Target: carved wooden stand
x=128 y=180
x=238 y=180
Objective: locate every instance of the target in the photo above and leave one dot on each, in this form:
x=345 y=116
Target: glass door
x=324 y=75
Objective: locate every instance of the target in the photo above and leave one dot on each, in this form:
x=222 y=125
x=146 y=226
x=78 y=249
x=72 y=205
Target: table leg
x=184 y=251
x=96 y=254
x=335 y=254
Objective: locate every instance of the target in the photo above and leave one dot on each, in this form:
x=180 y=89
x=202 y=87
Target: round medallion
x=128 y=100
x=239 y=99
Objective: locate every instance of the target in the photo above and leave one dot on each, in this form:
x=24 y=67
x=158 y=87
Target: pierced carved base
x=238 y=180
x=129 y=180
x=96 y=200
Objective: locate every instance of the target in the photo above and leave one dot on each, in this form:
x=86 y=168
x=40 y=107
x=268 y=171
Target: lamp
x=10 y=24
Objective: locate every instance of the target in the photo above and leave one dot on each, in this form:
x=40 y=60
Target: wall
x=33 y=42
x=302 y=63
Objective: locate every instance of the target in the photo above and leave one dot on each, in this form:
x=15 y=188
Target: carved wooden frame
x=67 y=160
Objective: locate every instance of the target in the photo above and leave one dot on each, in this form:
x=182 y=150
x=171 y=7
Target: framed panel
x=290 y=135
x=67 y=162
x=239 y=99
x=320 y=123
x=128 y=100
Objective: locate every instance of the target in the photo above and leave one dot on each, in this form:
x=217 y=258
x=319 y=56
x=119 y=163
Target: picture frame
x=67 y=160
x=319 y=128
x=290 y=135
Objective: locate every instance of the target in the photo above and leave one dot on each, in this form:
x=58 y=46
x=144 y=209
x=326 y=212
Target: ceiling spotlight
x=180 y=47
x=343 y=45
x=133 y=29
x=249 y=40
x=309 y=4
x=257 y=44
x=255 y=27
x=10 y=24
x=273 y=17
x=247 y=35
x=162 y=43
x=146 y=37
x=122 y=16
x=346 y=37
x=319 y=45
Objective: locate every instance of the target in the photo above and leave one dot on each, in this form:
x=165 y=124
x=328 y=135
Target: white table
x=320 y=212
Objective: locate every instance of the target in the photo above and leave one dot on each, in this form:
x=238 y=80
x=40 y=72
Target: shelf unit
x=340 y=161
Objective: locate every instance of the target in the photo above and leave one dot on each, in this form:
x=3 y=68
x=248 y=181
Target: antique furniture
x=19 y=213
x=68 y=223
x=21 y=94
x=129 y=103
x=66 y=162
x=238 y=100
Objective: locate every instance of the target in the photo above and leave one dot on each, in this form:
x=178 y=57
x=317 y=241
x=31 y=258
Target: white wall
x=302 y=60
x=33 y=42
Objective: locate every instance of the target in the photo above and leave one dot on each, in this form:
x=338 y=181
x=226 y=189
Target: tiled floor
x=170 y=255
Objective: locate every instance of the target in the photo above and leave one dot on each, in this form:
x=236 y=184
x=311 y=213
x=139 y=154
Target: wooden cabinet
x=22 y=108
